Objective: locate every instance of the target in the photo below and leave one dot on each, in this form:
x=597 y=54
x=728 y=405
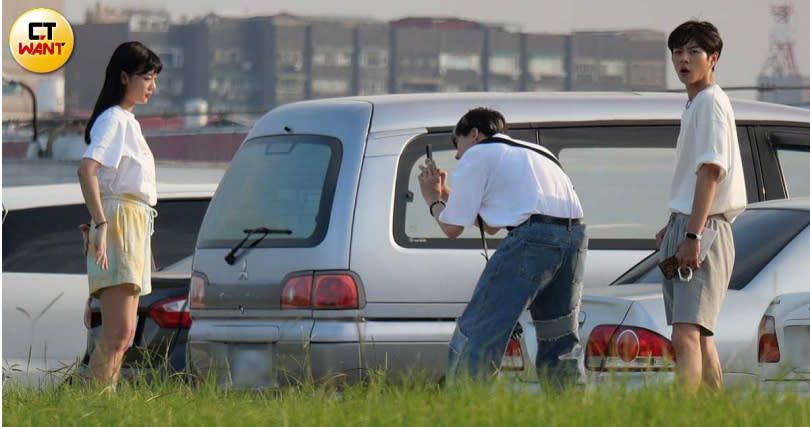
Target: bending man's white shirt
x=524 y=188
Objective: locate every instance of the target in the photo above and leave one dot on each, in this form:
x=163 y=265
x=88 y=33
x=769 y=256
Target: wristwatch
x=694 y=236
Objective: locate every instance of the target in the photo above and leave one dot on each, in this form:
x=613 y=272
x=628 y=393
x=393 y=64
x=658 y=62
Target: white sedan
x=763 y=333
x=44 y=288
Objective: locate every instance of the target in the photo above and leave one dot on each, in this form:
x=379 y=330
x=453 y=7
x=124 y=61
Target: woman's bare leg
x=119 y=305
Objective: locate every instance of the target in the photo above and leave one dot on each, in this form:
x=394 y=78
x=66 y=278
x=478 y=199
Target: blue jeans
x=538 y=266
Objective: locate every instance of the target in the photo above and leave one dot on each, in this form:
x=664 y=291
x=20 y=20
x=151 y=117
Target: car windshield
x=284 y=182
x=759 y=234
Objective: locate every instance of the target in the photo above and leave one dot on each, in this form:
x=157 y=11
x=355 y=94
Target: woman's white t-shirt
x=128 y=167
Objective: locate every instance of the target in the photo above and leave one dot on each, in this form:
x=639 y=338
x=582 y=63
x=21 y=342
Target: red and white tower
x=779 y=69
x=781 y=61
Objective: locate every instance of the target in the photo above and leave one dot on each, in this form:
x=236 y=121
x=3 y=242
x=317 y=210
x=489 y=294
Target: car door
x=44 y=289
x=45 y=280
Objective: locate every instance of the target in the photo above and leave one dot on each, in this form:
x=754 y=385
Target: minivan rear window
x=284 y=182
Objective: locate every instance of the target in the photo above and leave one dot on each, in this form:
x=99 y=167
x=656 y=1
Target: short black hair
x=703 y=33
x=486 y=120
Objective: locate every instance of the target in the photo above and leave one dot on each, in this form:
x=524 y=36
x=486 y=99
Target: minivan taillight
x=768 y=344
x=321 y=291
x=335 y=291
x=171 y=313
x=297 y=292
x=628 y=348
x=196 y=291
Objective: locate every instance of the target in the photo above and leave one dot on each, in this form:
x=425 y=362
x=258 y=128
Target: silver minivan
x=317 y=259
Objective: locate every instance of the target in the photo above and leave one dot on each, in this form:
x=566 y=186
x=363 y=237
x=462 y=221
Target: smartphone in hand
x=429 y=152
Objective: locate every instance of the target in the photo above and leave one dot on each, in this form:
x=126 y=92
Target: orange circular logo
x=41 y=40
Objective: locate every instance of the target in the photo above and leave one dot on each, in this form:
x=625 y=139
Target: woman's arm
x=88 y=180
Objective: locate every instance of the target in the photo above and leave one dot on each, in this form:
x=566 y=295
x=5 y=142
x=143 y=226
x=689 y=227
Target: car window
x=47 y=239
x=622 y=175
x=180 y=267
x=795 y=171
x=759 y=234
x=44 y=240
x=284 y=182
x=624 y=191
x=413 y=225
x=176 y=228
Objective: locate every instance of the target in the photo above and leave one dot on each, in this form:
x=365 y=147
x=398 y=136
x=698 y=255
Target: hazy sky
x=743 y=24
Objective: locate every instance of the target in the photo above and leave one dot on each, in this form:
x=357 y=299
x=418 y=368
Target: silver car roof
x=34 y=196
x=799 y=203
x=436 y=110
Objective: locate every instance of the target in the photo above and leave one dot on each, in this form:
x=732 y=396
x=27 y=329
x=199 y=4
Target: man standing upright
x=519 y=186
x=707 y=193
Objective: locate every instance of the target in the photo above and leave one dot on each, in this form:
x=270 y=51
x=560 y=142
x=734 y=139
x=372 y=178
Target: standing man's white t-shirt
x=506 y=184
x=128 y=167
x=708 y=135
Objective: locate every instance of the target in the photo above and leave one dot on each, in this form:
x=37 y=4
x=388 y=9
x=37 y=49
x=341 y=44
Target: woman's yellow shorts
x=130 y=224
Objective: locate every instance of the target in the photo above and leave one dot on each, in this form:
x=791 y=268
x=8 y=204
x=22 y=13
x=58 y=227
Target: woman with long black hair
x=117 y=177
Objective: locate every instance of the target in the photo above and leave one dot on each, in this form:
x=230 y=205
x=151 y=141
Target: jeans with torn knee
x=539 y=267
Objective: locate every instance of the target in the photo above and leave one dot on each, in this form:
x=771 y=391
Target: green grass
x=414 y=403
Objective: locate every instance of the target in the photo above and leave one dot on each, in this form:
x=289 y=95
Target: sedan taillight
x=768 y=344
x=513 y=357
x=628 y=348
x=171 y=313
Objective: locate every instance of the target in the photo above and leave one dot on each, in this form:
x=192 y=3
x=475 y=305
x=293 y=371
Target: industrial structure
x=779 y=69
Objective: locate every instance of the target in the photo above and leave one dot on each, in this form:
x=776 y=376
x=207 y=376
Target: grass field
x=171 y=402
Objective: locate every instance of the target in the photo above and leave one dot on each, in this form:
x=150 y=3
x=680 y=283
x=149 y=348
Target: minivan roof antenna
x=287 y=128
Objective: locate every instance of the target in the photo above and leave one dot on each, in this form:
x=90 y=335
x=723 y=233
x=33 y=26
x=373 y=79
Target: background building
x=249 y=65
x=502 y=55
x=105 y=29
x=547 y=62
x=373 y=45
x=437 y=55
x=331 y=59
x=618 y=61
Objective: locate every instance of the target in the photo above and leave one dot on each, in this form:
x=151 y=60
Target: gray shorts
x=698 y=301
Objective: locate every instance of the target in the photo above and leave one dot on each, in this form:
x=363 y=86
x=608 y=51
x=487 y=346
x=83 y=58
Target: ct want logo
x=41 y=40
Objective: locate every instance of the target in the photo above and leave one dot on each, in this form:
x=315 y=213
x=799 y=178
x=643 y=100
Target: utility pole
x=35 y=139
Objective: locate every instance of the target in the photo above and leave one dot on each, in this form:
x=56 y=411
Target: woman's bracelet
x=100 y=224
x=437 y=202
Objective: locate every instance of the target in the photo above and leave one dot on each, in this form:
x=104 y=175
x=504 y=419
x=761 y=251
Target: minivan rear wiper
x=231 y=258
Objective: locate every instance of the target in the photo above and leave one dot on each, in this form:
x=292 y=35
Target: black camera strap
x=541 y=151
x=483 y=238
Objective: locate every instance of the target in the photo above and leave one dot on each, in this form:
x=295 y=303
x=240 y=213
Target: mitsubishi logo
x=243 y=274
